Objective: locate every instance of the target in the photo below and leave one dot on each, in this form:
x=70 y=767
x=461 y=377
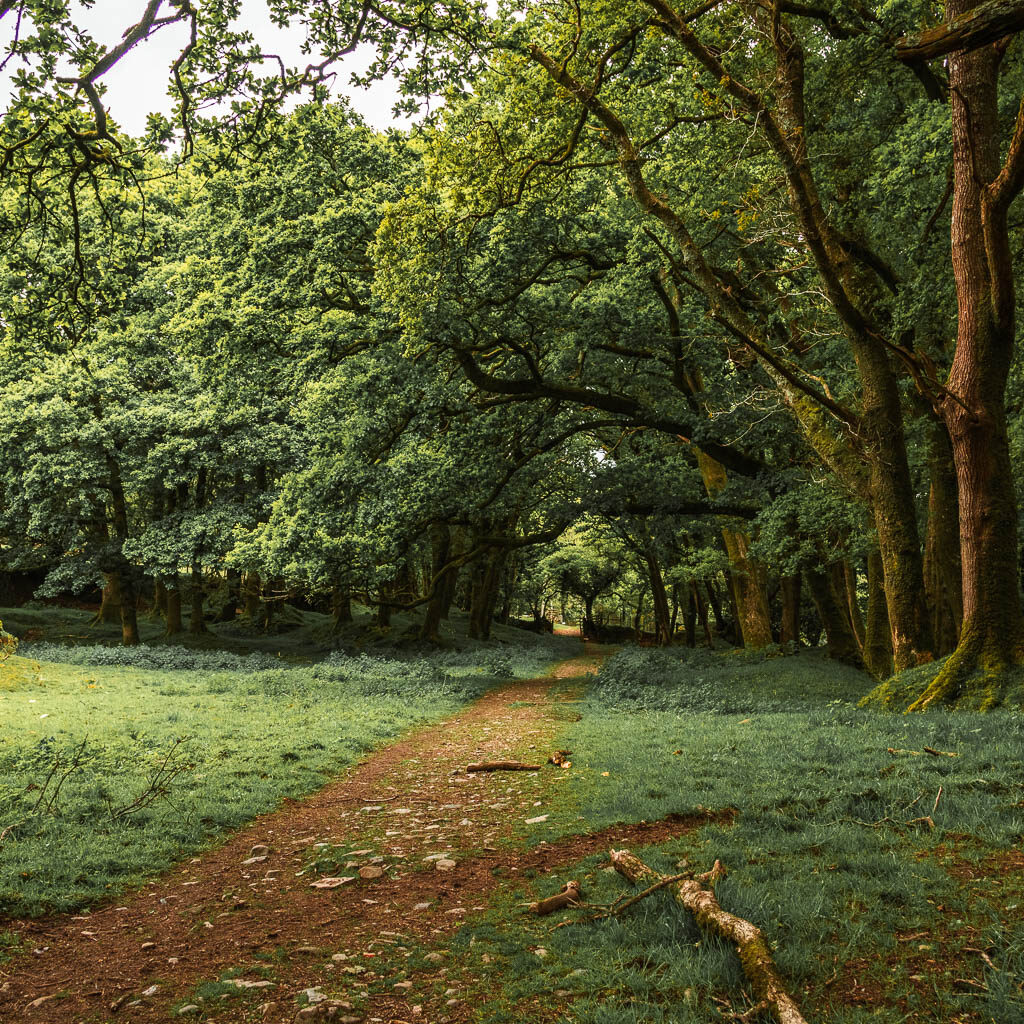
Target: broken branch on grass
x=502 y=766
x=570 y=896
x=748 y=939
x=923 y=750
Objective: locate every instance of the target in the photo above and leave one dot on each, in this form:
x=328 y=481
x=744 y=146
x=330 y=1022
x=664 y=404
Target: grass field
x=116 y=762
x=869 y=917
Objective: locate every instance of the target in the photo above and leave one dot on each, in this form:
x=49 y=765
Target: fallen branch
x=569 y=897
x=502 y=766
x=924 y=750
x=748 y=939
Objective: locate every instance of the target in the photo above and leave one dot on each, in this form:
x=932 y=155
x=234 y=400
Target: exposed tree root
x=750 y=943
x=502 y=766
x=975 y=655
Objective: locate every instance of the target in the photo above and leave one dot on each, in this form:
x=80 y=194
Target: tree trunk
x=230 y=607
x=943 y=580
x=174 y=623
x=251 y=590
x=753 y=616
x=839 y=635
x=790 y=633
x=695 y=608
x=877 y=632
x=129 y=612
x=197 y=597
x=159 y=599
x=659 y=599
x=716 y=610
x=110 y=601
x=341 y=607
x=974 y=407
x=638 y=617
x=440 y=546
x=846 y=585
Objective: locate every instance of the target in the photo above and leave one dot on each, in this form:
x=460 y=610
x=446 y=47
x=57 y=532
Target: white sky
x=138 y=84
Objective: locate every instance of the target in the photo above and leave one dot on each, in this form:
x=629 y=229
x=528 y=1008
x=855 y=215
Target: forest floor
x=881 y=854
x=244 y=939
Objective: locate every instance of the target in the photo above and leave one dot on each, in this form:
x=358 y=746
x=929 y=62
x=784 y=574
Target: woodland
x=685 y=328
x=719 y=300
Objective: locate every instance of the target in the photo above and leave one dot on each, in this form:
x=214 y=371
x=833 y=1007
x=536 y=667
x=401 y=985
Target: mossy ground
x=979 y=690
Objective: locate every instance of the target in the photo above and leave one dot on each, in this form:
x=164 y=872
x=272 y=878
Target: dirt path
x=408 y=809
x=144 y=958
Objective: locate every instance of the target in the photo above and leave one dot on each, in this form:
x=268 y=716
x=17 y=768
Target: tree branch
x=986 y=24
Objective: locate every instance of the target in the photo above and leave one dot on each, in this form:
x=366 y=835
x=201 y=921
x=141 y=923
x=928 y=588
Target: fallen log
x=569 y=897
x=502 y=766
x=750 y=944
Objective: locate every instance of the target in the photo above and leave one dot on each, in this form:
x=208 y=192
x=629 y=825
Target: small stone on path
x=331 y=883
x=444 y=864
x=371 y=871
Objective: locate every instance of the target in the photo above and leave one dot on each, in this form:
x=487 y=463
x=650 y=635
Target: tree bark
x=877 y=633
x=252 y=588
x=341 y=607
x=110 y=600
x=750 y=943
x=159 y=598
x=129 y=611
x=753 y=616
x=943 y=579
x=230 y=607
x=847 y=584
x=974 y=405
x=790 y=633
x=197 y=597
x=174 y=622
x=440 y=547
x=835 y=619
x=659 y=599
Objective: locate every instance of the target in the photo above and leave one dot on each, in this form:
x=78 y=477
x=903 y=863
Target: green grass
x=811 y=860
x=199 y=745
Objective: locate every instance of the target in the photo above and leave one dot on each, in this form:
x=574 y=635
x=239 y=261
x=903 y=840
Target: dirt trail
x=409 y=804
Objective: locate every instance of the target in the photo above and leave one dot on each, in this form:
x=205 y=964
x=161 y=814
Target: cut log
x=502 y=766
x=569 y=897
x=750 y=943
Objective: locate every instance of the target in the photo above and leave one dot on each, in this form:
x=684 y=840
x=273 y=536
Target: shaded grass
x=867 y=917
x=110 y=773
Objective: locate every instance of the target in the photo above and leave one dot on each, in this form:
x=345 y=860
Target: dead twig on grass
x=924 y=750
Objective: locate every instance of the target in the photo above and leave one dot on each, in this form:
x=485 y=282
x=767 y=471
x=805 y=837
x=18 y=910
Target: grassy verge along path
x=420 y=842
x=110 y=772
x=889 y=880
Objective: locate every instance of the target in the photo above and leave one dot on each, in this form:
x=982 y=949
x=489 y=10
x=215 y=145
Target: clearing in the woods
x=879 y=854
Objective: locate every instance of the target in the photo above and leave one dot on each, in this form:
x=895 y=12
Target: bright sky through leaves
x=138 y=84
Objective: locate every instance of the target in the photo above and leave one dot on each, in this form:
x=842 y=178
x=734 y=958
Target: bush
x=168 y=658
